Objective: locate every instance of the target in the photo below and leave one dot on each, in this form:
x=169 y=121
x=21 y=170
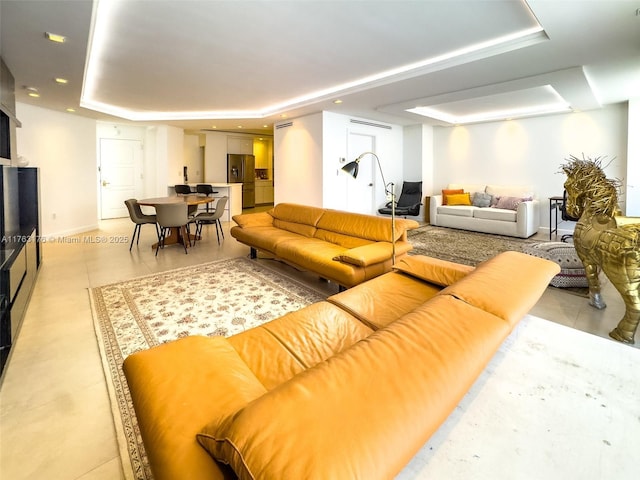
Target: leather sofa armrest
x=366 y=255
x=373 y=253
x=260 y=219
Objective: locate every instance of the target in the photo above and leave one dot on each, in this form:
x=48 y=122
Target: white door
x=361 y=190
x=120 y=175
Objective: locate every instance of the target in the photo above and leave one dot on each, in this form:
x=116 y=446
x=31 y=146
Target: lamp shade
x=351 y=168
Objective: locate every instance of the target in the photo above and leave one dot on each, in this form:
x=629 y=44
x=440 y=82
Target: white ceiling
x=230 y=63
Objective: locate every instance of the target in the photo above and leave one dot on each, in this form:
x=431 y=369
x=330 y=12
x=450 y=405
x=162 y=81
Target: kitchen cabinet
x=7 y=89
x=263 y=151
x=264 y=192
x=241 y=145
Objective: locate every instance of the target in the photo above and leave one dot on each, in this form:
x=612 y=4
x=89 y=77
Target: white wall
x=298 y=168
x=169 y=151
x=530 y=151
x=215 y=157
x=63 y=146
x=632 y=192
x=388 y=147
x=307 y=159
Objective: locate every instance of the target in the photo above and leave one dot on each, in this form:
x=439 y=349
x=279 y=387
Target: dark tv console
x=20 y=249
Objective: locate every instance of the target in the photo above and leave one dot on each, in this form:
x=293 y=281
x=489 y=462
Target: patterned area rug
x=471 y=248
x=461 y=246
x=218 y=298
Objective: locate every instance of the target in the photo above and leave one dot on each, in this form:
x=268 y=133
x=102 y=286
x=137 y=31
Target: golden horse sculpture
x=604 y=239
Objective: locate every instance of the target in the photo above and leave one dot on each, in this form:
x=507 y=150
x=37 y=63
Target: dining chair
x=205 y=189
x=173 y=215
x=213 y=217
x=139 y=218
x=182 y=189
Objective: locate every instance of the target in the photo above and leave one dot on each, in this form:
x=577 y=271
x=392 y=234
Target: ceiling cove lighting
x=491 y=115
x=105 y=14
x=552 y=103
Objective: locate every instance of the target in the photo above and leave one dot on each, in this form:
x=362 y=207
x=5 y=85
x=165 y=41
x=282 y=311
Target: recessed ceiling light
x=61 y=80
x=337 y=102
x=239 y=126
x=32 y=92
x=54 y=37
x=71 y=110
x=213 y=126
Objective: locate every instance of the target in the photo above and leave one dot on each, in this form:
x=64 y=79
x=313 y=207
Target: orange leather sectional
x=343 y=247
x=347 y=388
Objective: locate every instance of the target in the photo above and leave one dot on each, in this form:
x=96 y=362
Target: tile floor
x=55 y=418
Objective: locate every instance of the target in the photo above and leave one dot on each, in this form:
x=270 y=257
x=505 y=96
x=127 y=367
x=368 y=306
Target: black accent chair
x=409 y=201
x=566 y=217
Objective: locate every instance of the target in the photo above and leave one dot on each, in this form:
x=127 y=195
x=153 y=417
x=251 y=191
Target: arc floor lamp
x=389 y=189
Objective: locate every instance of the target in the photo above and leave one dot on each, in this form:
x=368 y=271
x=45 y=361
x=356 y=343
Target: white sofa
x=520 y=222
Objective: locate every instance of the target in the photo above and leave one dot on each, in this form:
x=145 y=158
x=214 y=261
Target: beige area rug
x=470 y=248
x=218 y=298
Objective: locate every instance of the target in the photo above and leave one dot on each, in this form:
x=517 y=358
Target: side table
x=427 y=217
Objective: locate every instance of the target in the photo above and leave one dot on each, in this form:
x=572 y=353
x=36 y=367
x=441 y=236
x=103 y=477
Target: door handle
x=105 y=183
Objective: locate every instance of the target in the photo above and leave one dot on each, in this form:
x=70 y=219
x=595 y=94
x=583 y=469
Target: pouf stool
x=564 y=254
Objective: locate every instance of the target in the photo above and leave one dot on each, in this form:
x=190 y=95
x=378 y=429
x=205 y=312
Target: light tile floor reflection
x=55 y=417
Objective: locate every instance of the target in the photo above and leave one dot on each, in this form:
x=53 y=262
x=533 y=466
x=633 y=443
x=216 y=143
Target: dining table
x=175 y=235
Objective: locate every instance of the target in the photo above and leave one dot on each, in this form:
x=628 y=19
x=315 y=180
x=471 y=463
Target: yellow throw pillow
x=446 y=193
x=459 y=199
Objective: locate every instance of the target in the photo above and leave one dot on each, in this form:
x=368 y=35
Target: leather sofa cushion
x=366 y=411
x=317 y=256
x=433 y=270
x=372 y=228
x=366 y=254
x=263 y=238
x=299 y=228
x=259 y=219
x=171 y=390
x=278 y=350
x=346 y=241
x=384 y=299
x=496 y=214
x=505 y=284
x=296 y=218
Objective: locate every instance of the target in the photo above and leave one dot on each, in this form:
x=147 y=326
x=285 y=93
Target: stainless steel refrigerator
x=241 y=169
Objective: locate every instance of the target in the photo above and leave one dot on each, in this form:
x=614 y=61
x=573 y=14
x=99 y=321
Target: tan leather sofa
x=343 y=247
x=348 y=388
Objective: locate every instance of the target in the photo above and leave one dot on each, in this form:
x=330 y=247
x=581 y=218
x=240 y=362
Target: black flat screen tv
x=5 y=138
